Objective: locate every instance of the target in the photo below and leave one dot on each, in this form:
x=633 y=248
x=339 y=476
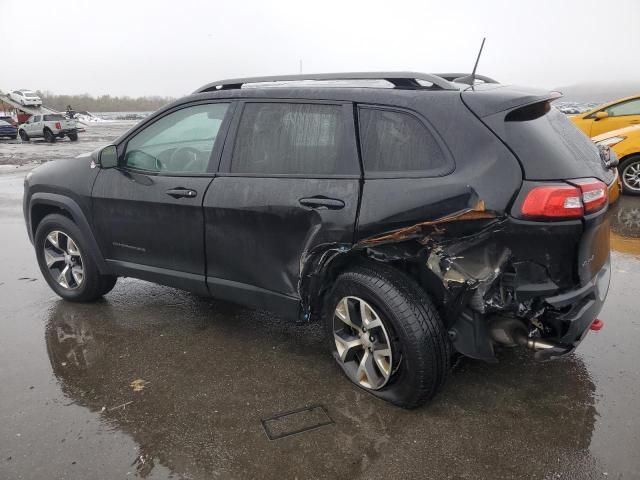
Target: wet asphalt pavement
x=153 y=382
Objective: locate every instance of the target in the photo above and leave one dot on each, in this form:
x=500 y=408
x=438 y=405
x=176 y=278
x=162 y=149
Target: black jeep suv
x=416 y=215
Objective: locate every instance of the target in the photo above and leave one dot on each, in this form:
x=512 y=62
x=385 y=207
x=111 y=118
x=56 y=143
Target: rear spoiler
x=486 y=100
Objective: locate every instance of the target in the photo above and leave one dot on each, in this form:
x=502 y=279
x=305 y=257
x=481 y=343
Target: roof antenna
x=470 y=79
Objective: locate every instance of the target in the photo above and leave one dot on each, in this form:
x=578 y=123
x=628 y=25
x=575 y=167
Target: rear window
x=548 y=145
x=290 y=138
x=54 y=117
x=398 y=142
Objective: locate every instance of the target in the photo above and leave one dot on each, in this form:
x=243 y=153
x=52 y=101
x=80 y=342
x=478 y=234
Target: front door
x=287 y=189
x=620 y=115
x=147 y=213
x=32 y=127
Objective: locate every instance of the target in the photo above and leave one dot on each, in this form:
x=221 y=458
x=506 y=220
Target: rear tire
x=49 y=136
x=73 y=137
x=629 y=171
x=23 y=136
x=420 y=354
x=66 y=263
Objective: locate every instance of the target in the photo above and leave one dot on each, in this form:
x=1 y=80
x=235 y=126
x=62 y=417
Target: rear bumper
x=67 y=131
x=584 y=305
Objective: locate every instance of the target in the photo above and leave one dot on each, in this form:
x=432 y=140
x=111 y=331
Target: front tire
x=629 y=170
x=23 y=136
x=386 y=335
x=66 y=263
x=49 y=136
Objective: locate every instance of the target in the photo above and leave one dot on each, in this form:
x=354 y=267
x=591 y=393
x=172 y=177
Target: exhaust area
x=511 y=332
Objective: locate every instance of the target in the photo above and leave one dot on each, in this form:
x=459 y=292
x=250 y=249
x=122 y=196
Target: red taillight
x=594 y=194
x=565 y=201
x=561 y=201
x=58 y=126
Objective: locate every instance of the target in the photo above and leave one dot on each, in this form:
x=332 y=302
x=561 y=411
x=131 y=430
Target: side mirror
x=108 y=157
x=601 y=115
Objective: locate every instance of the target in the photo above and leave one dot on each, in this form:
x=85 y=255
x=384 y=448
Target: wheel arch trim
x=69 y=205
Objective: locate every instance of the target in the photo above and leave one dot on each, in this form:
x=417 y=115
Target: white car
x=26 y=98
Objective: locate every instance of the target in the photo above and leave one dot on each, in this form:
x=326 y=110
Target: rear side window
x=53 y=117
x=290 y=138
x=396 y=142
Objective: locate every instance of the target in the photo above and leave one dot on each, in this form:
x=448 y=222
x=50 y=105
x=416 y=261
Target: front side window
x=632 y=107
x=180 y=142
x=397 y=142
x=289 y=138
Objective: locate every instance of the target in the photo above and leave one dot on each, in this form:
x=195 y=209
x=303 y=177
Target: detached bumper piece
x=584 y=305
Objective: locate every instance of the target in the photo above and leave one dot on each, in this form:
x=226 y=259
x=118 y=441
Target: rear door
x=287 y=188
x=147 y=213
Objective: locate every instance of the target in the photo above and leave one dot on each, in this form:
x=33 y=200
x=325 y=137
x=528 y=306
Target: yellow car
x=610 y=116
x=625 y=142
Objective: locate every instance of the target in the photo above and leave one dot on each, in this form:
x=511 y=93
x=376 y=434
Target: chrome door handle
x=182 y=193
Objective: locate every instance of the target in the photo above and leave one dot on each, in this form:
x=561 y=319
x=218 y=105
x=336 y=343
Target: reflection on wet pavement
x=157 y=383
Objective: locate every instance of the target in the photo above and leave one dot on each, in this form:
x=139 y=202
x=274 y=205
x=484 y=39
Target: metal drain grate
x=296 y=421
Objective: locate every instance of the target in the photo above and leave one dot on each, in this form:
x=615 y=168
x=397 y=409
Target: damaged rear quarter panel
x=485 y=170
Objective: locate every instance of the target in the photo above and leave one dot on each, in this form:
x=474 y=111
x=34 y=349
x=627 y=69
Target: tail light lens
x=565 y=201
x=58 y=126
x=562 y=201
x=594 y=194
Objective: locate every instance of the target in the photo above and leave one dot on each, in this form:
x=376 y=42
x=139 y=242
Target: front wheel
x=66 y=263
x=630 y=174
x=386 y=335
x=23 y=136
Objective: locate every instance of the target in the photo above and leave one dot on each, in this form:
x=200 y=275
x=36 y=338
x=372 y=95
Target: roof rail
x=398 y=79
x=452 y=77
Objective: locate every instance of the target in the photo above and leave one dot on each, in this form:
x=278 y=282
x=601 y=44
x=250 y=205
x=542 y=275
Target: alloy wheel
x=362 y=343
x=631 y=176
x=64 y=260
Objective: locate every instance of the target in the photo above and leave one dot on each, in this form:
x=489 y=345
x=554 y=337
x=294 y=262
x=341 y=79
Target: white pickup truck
x=50 y=126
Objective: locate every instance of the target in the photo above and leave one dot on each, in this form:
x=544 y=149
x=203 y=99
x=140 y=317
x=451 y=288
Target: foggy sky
x=157 y=47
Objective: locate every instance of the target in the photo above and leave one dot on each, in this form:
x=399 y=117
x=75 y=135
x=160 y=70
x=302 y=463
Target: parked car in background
x=50 y=126
x=611 y=116
x=26 y=98
x=414 y=219
x=8 y=130
x=9 y=119
x=625 y=142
